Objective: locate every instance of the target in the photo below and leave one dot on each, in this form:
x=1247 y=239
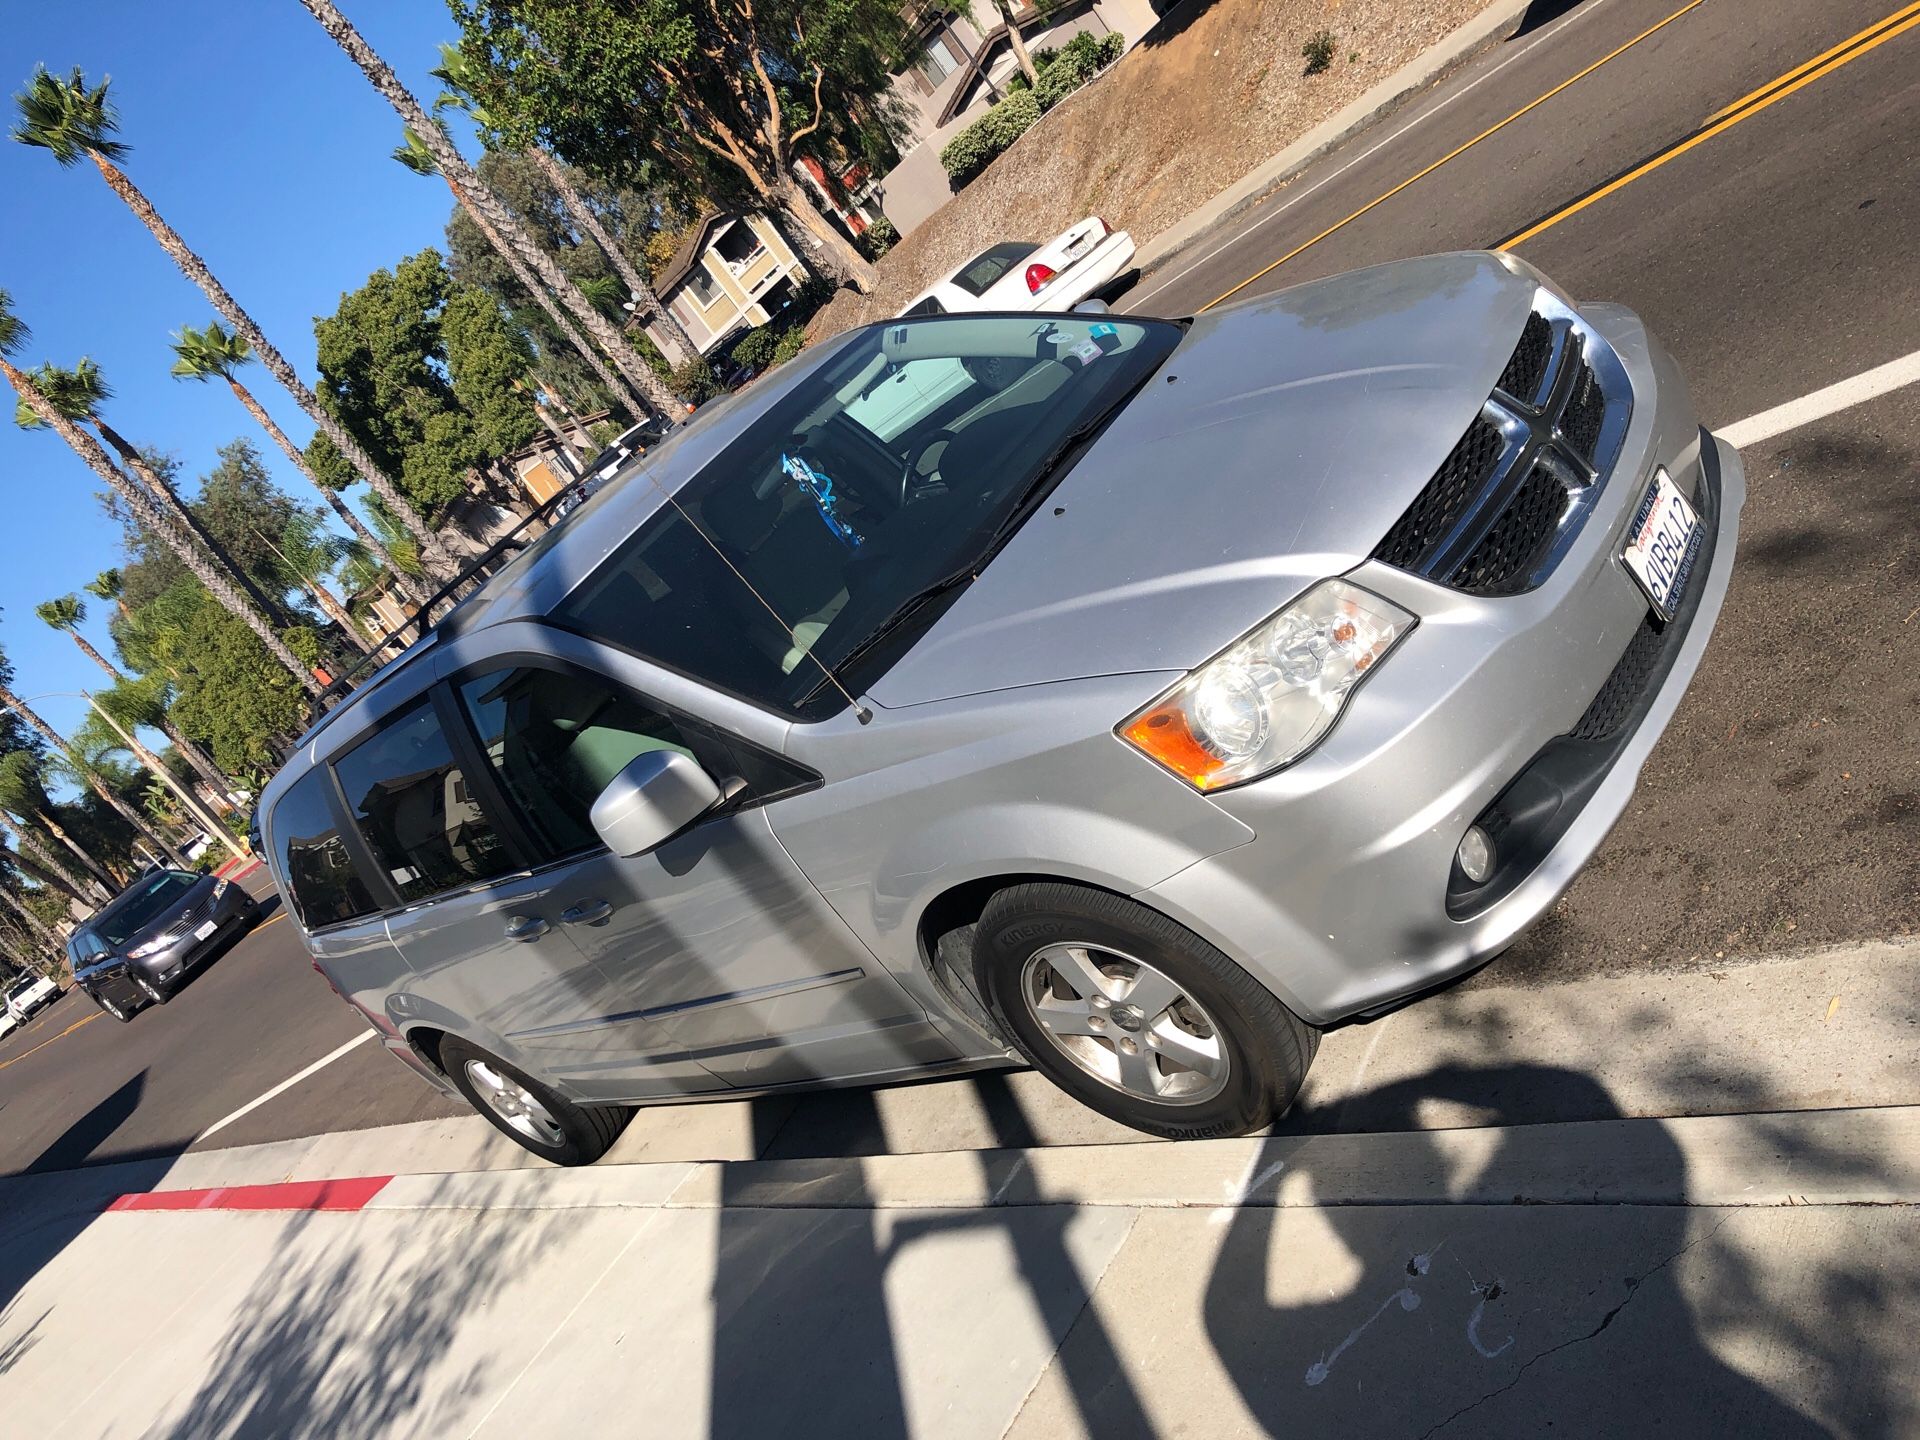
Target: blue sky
x=268 y=151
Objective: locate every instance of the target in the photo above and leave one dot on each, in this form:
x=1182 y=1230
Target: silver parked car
x=1127 y=697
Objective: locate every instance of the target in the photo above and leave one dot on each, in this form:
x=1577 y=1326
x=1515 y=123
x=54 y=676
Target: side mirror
x=654 y=798
x=1092 y=307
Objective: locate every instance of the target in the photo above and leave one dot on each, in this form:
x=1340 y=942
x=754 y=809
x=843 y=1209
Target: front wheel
x=123 y=1016
x=528 y=1112
x=154 y=993
x=1136 y=1016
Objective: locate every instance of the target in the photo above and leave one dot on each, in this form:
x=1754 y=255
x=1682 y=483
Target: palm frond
x=13 y=330
x=68 y=118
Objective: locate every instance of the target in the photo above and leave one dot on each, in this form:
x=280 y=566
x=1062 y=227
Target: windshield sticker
x=1105 y=331
x=1086 y=352
x=819 y=488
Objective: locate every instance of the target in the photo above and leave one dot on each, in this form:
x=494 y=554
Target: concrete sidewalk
x=1401 y=1284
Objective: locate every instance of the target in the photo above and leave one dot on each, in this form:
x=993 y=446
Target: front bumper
x=1341 y=903
x=229 y=914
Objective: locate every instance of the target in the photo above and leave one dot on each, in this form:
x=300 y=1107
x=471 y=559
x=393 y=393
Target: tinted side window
x=556 y=740
x=326 y=889
x=986 y=268
x=420 y=818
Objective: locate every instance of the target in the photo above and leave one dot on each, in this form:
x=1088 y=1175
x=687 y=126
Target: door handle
x=526 y=927
x=587 y=912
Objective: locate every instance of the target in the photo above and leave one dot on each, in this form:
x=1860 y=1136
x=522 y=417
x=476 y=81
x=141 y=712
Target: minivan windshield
x=145 y=901
x=898 y=465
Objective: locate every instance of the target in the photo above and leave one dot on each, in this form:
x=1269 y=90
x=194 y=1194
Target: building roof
x=691 y=250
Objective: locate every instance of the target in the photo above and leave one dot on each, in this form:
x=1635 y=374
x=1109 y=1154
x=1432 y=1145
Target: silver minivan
x=1129 y=698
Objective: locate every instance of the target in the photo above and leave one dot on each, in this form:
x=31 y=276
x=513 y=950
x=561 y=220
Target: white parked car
x=1020 y=275
x=30 y=995
x=7 y=1023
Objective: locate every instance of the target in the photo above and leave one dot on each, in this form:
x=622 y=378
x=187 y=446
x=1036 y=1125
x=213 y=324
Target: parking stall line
x=287 y=1084
x=1843 y=395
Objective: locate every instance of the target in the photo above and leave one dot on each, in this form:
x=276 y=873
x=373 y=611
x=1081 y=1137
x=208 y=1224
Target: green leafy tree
x=418 y=156
x=75 y=121
x=383 y=372
x=488 y=362
x=212 y=352
x=456 y=72
x=728 y=92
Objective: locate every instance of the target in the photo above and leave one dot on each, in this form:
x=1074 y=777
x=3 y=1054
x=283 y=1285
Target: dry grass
x=1205 y=98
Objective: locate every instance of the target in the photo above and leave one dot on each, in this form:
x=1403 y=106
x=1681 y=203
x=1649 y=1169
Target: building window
x=705 y=288
x=739 y=245
x=940 y=59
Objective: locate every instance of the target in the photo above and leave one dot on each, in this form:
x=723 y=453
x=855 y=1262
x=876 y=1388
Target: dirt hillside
x=1212 y=91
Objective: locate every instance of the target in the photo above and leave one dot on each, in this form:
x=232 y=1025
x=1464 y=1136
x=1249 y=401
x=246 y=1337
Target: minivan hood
x=1276 y=447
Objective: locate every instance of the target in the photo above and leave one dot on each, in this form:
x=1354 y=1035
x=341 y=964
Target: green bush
x=791 y=344
x=880 y=237
x=1318 y=52
x=694 y=381
x=1077 y=62
x=756 y=348
x=975 y=147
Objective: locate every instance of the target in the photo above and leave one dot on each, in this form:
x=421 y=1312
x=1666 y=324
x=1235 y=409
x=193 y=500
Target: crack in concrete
x=1633 y=1289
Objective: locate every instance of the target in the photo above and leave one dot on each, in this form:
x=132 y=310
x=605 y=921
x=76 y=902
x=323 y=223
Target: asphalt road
x=1774 y=257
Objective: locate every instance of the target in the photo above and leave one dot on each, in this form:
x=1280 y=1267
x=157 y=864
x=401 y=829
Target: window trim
x=704 y=733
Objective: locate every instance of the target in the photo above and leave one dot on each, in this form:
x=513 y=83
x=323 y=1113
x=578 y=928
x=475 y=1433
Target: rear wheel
x=1136 y=1016
x=528 y=1112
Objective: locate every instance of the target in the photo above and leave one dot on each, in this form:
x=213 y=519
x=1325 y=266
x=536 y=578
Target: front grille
x=1620 y=696
x=1502 y=561
x=1489 y=520
x=187 y=921
x=1455 y=486
x=1528 y=368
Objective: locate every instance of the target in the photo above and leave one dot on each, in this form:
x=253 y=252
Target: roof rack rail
x=421 y=621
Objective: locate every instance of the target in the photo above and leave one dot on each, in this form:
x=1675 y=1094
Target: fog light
x=1475 y=855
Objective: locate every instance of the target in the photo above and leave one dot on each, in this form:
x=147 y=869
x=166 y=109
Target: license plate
x=1663 y=544
x=205 y=930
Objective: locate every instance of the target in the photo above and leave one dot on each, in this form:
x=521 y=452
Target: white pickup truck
x=25 y=997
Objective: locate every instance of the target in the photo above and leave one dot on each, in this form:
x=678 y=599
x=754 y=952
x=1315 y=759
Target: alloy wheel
x=515 y=1104
x=1125 y=1023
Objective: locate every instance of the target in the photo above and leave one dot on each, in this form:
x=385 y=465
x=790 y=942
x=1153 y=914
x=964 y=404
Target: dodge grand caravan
x=1127 y=697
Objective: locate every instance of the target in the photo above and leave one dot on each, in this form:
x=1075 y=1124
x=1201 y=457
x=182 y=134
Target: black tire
x=586 y=1130
x=123 y=1016
x=1268 y=1048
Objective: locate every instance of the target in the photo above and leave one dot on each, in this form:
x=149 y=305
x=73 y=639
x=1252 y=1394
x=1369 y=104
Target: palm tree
x=125 y=737
x=85 y=771
x=78 y=394
x=73 y=121
x=477 y=198
x=34 y=850
x=146 y=511
x=414 y=153
x=23 y=792
x=310 y=553
x=204 y=354
x=455 y=71
x=11 y=899
x=110 y=585
x=1005 y=11
x=68 y=613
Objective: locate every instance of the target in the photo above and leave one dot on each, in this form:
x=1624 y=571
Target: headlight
x=220 y=888
x=1270 y=698
x=152 y=947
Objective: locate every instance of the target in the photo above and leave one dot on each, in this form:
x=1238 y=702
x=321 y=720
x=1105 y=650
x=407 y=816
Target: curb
x=1491 y=26
x=238 y=869
x=1788 y=1158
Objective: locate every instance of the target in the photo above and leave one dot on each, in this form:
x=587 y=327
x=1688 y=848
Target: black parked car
x=138 y=948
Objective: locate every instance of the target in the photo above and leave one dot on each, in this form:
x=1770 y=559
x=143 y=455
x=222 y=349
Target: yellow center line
x=272 y=919
x=1771 y=95
x=1801 y=69
x=84 y=1020
x=1455 y=153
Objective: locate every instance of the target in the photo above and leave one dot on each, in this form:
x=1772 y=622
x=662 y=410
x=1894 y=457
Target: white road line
x=287 y=1084
x=1407 y=127
x=1868 y=385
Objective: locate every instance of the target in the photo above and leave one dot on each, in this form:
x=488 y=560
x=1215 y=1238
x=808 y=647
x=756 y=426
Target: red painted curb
x=245 y=867
x=291 y=1195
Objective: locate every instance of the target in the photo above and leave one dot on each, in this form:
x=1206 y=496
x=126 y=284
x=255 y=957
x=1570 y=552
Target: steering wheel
x=910 y=477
